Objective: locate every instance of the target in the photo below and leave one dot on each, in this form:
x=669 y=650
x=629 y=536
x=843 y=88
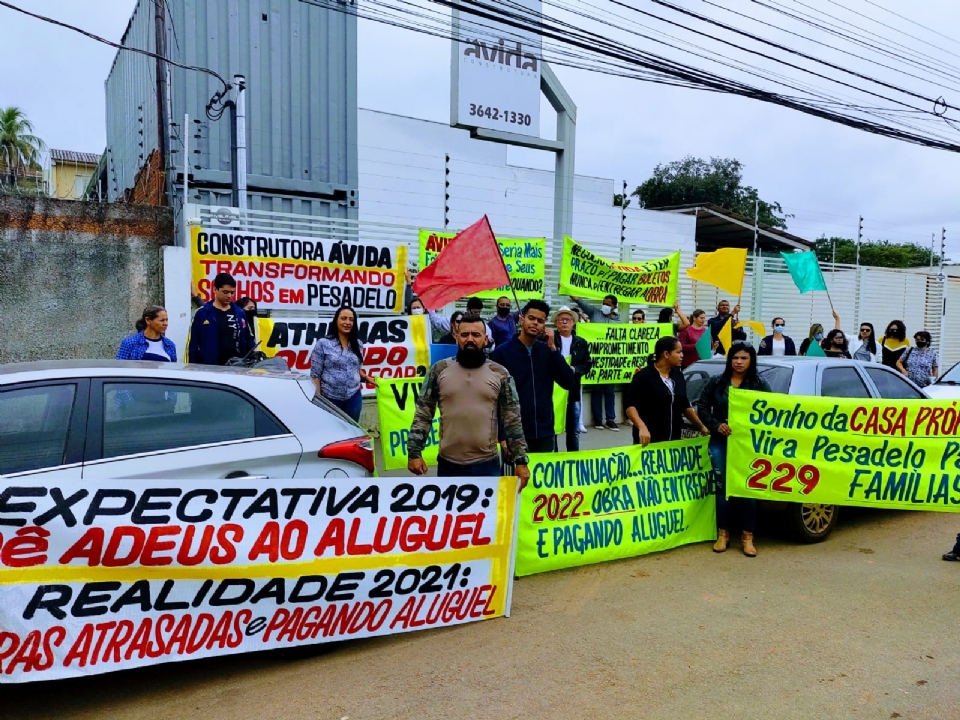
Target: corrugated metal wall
x=300 y=64
x=131 y=97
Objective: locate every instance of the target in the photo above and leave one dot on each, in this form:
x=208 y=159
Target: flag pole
x=500 y=255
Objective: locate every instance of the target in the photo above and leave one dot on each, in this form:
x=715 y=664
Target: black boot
x=953 y=555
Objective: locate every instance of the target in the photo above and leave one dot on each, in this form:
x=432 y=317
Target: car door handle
x=240 y=475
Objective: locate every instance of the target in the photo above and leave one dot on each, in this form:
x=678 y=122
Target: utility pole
x=756 y=226
x=859 y=239
x=623 y=214
x=241 y=84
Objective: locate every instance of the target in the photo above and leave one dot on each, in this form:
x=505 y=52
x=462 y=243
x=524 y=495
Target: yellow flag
x=754 y=325
x=723 y=268
x=726 y=335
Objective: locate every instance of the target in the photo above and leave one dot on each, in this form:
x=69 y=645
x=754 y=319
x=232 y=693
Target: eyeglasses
x=564 y=319
x=864 y=330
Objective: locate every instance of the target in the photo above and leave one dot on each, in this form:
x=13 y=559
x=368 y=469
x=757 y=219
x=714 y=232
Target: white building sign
x=496 y=71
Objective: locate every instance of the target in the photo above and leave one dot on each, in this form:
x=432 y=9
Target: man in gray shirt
x=473 y=394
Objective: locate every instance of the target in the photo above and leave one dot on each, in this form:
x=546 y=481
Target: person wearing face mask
x=602 y=397
x=249 y=308
x=475 y=396
x=894 y=343
x=920 y=363
x=779 y=344
x=815 y=336
x=503 y=327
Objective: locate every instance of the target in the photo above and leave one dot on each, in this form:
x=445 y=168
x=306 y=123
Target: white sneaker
x=598 y=426
x=581 y=429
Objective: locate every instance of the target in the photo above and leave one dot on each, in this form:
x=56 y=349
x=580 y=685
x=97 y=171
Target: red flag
x=469 y=263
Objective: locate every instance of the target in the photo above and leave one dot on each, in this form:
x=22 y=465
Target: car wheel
x=812 y=523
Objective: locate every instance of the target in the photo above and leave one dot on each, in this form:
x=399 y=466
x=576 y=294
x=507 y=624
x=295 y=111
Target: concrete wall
x=75 y=276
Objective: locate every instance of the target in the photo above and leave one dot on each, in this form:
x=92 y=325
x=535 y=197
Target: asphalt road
x=864 y=625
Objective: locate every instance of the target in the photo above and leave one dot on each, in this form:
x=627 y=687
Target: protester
x=714 y=409
x=578 y=351
x=453 y=325
x=835 y=345
x=691 y=335
x=920 y=363
x=815 y=336
x=219 y=331
x=667 y=316
x=503 y=326
x=335 y=364
x=603 y=397
x=249 y=308
x=717 y=322
x=894 y=343
x=535 y=366
x=864 y=347
x=150 y=341
x=657 y=399
x=778 y=344
x=638 y=317
x=474 y=395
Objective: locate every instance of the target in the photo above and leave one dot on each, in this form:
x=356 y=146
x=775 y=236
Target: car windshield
x=697 y=376
x=322 y=402
x=951 y=376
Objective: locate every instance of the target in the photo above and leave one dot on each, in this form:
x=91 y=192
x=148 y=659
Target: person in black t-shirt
x=219 y=331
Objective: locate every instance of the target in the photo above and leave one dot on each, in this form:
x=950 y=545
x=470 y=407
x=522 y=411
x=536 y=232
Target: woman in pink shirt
x=691 y=335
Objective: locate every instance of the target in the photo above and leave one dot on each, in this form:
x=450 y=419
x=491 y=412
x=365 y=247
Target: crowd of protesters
x=495 y=396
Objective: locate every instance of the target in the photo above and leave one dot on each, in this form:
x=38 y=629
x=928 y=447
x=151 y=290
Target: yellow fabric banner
x=584 y=274
x=872 y=453
x=594 y=506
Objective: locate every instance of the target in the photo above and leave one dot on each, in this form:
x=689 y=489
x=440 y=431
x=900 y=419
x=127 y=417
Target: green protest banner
x=583 y=274
x=589 y=507
x=902 y=455
x=619 y=350
x=396 y=404
x=523 y=257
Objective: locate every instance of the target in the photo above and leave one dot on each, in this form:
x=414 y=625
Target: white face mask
x=416 y=311
x=606 y=309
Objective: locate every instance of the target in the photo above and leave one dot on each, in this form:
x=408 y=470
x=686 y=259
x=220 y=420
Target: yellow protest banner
x=396 y=405
x=834 y=451
x=560 y=397
x=281 y=272
x=524 y=259
x=619 y=350
x=589 y=507
x=584 y=274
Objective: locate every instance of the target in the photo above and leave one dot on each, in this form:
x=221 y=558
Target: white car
x=120 y=419
x=947 y=386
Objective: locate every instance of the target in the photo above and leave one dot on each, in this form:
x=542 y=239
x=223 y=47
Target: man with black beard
x=474 y=395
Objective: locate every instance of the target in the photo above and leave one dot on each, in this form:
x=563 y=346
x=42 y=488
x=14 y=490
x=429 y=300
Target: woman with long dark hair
x=450 y=338
x=657 y=397
x=714 y=408
x=864 y=347
x=835 y=345
x=335 y=365
x=894 y=343
x=150 y=341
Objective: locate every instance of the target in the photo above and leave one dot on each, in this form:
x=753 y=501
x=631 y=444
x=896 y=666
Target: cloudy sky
x=824 y=174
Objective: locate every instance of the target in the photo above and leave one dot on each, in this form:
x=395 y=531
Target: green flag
x=815 y=350
x=805 y=271
x=705 y=345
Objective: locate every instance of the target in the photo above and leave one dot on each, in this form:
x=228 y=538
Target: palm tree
x=19 y=148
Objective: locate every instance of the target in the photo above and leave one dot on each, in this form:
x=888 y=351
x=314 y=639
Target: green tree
x=19 y=147
x=881 y=253
x=718 y=181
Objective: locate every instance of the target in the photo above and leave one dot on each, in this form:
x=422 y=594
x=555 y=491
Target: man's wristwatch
x=522 y=460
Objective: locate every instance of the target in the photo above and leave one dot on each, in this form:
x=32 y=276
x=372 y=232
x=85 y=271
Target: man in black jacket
x=577 y=351
x=535 y=364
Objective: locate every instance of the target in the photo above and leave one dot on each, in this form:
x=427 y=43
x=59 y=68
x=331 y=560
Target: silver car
x=117 y=419
x=824 y=377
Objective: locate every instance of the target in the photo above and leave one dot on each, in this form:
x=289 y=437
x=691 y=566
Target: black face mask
x=503 y=311
x=471 y=357
x=922 y=343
